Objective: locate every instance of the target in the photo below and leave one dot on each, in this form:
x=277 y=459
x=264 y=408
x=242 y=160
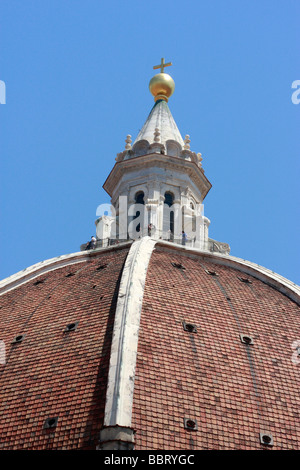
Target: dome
x=206 y=344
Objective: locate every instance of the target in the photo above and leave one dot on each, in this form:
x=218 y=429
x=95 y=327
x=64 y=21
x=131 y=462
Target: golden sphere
x=162 y=86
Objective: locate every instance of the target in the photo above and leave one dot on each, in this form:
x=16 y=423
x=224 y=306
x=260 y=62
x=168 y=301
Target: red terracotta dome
x=214 y=357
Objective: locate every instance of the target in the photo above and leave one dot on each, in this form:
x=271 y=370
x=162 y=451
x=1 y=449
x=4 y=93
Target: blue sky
x=77 y=74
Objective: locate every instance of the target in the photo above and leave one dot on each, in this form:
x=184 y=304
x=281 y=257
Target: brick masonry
x=233 y=390
x=53 y=373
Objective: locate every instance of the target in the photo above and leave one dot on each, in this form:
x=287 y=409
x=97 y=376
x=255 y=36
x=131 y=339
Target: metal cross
x=162 y=65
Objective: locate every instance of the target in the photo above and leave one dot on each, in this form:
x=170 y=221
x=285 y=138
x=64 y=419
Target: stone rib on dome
x=160 y=117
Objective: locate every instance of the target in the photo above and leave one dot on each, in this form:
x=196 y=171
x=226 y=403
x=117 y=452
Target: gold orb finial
x=162 y=85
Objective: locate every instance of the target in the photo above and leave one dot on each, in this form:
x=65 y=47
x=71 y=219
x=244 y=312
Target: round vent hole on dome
x=50 y=423
x=70 y=274
x=190 y=424
x=266 y=439
x=178 y=266
x=102 y=266
x=71 y=327
x=40 y=281
x=211 y=273
x=18 y=339
x=246 y=280
x=189 y=327
x=246 y=339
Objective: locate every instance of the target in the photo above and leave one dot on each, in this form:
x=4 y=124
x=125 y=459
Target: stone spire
x=160 y=117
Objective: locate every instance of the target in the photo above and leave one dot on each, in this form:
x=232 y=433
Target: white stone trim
x=119 y=397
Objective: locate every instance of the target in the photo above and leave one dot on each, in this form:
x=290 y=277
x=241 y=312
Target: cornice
x=161 y=161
